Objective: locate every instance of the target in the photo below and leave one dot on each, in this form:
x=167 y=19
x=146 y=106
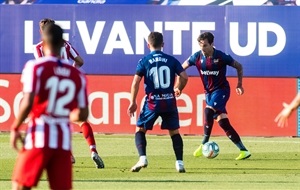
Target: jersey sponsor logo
x=162 y=96
x=216 y=73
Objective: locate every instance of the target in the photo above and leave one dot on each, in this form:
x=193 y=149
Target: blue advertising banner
x=111 y=39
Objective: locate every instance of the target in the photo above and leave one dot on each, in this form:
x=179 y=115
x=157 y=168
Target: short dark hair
x=45 y=22
x=53 y=35
x=206 y=36
x=156 y=39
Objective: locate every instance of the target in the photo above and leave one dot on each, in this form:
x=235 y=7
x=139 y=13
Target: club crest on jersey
x=216 y=60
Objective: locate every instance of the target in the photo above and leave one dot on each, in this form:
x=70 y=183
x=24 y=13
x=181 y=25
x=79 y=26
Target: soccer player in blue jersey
x=159 y=71
x=212 y=64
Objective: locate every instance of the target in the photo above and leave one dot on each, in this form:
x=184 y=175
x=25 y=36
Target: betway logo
x=210 y=72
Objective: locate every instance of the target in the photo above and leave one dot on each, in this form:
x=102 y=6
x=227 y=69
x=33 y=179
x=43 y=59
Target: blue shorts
x=147 y=118
x=217 y=100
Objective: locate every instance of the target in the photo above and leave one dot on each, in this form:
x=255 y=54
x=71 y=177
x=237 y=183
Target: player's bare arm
x=25 y=107
x=182 y=81
x=282 y=118
x=134 y=91
x=185 y=65
x=239 y=69
x=78 y=62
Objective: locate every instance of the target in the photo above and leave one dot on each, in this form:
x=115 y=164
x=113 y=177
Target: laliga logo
x=263 y=29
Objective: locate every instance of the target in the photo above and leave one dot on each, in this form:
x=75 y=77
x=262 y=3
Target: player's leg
x=58 y=178
x=209 y=113
x=221 y=97
x=145 y=122
x=208 y=125
x=233 y=136
x=141 y=144
x=88 y=134
x=28 y=168
x=170 y=121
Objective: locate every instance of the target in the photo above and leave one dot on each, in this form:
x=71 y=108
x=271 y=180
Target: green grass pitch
x=274 y=164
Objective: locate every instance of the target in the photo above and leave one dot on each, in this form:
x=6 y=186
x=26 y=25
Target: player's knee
x=209 y=116
x=173 y=132
x=221 y=116
x=140 y=129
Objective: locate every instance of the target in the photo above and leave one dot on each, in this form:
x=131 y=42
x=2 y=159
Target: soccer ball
x=210 y=150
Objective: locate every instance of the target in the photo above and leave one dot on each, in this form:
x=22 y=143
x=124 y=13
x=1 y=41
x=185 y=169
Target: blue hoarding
x=111 y=39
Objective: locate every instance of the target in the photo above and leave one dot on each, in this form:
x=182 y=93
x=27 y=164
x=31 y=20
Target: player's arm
x=134 y=91
x=37 y=52
x=24 y=110
x=282 y=118
x=185 y=65
x=80 y=114
x=78 y=61
x=181 y=83
x=25 y=107
x=239 y=70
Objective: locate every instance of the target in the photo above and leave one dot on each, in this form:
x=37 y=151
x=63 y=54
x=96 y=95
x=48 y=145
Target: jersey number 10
x=161 y=77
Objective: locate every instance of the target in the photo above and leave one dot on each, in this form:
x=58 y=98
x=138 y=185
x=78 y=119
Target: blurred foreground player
x=67 y=52
x=54 y=93
x=159 y=71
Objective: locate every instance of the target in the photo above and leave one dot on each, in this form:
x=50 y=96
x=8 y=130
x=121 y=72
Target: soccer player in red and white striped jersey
x=54 y=93
x=67 y=52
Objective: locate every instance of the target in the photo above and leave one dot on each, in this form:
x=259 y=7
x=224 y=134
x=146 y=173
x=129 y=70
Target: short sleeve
x=193 y=58
x=140 y=69
x=179 y=67
x=227 y=59
x=27 y=77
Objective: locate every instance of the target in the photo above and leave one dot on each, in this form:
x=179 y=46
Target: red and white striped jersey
x=67 y=52
x=59 y=88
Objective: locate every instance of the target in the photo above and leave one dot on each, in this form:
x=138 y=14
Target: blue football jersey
x=159 y=71
x=212 y=70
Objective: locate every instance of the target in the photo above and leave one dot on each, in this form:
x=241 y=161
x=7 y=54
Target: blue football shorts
x=218 y=100
x=147 y=118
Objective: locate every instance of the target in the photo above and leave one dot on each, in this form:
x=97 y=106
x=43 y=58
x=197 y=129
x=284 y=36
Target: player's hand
x=177 y=92
x=131 y=109
x=239 y=90
x=15 y=135
x=282 y=118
